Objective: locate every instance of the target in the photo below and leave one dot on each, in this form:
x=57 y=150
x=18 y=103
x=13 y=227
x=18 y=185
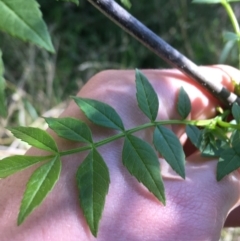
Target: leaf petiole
x=138 y=128
x=228 y=125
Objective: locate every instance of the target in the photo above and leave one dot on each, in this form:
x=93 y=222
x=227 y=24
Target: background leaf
x=236 y=112
x=183 y=103
x=3 y=107
x=146 y=96
x=229 y=161
x=142 y=162
x=23 y=19
x=93 y=183
x=229 y=36
x=168 y=145
x=12 y=164
x=39 y=185
x=73 y=1
x=207 y=1
x=35 y=137
x=100 y=113
x=71 y=129
x=126 y=3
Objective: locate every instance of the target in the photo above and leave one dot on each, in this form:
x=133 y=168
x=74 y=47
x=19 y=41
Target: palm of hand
x=196 y=208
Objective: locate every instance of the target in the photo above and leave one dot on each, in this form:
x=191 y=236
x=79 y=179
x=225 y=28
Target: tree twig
x=158 y=46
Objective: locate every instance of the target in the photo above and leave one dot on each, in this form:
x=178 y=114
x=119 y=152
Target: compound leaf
x=71 y=129
x=183 y=103
x=3 y=107
x=146 y=96
x=168 y=145
x=93 y=182
x=142 y=162
x=23 y=19
x=229 y=161
x=35 y=137
x=100 y=113
x=39 y=185
x=236 y=112
x=12 y=164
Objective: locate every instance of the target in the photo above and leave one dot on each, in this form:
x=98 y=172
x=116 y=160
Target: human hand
x=196 y=207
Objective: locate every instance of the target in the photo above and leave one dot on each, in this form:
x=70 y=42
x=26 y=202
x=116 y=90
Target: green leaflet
x=235 y=141
x=220 y=133
x=215 y=139
x=93 y=182
x=229 y=161
x=205 y=140
x=213 y=150
x=146 y=96
x=100 y=113
x=39 y=185
x=207 y=1
x=25 y=24
x=183 y=104
x=235 y=138
x=3 y=107
x=71 y=129
x=236 y=112
x=209 y=146
x=142 y=162
x=12 y=164
x=168 y=145
x=35 y=137
x=194 y=134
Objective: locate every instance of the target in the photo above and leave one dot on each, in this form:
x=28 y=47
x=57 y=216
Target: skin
x=196 y=207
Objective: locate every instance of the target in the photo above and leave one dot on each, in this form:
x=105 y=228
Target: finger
x=203 y=102
x=208 y=200
x=230 y=184
x=117 y=88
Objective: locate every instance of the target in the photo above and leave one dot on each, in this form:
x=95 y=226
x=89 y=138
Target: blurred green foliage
x=87 y=42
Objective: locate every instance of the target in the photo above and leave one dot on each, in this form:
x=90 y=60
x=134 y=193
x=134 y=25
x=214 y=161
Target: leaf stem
x=227 y=125
x=136 y=129
x=234 y=21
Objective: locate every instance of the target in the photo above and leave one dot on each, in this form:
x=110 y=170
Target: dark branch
x=157 y=45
